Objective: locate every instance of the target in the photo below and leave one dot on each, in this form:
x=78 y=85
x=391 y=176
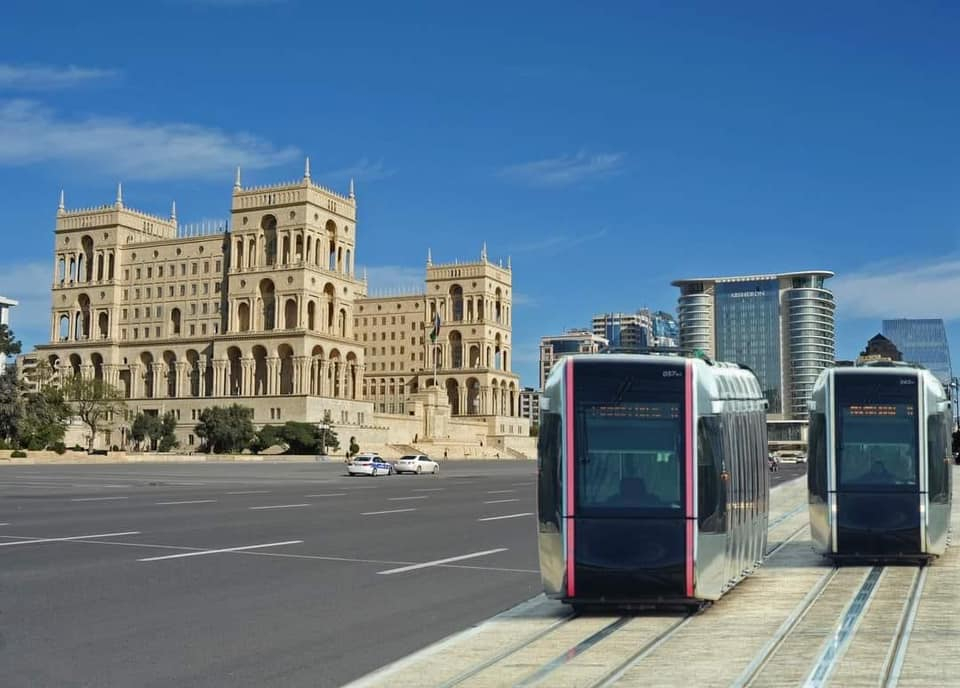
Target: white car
x=369 y=464
x=417 y=463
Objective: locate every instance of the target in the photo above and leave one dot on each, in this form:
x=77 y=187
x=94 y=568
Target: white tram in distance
x=878 y=469
x=653 y=482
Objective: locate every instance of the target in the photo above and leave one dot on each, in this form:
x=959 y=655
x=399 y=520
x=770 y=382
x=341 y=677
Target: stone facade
x=267 y=311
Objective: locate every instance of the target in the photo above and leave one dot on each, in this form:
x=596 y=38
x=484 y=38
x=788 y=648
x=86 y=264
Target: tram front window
x=877 y=446
x=629 y=458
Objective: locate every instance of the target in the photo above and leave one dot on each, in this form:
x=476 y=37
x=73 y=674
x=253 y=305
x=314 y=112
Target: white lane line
x=501 y=501
x=331 y=494
x=219 y=551
x=64 y=539
x=389 y=511
x=114 y=486
x=429 y=489
x=499 y=491
x=97 y=499
x=188 y=501
x=402 y=499
x=438 y=562
x=249 y=492
x=4 y=524
x=500 y=518
x=277 y=506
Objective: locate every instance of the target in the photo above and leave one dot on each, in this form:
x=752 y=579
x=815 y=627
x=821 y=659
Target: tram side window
x=549 y=446
x=937 y=466
x=817 y=456
x=709 y=508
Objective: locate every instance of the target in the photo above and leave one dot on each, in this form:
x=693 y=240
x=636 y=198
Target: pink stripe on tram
x=688 y=455
x=568 y=415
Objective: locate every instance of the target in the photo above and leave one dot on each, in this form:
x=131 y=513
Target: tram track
x=893 y=665
x=651 y=632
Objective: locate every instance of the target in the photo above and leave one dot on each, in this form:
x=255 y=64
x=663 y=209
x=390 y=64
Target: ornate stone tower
x=292 y=290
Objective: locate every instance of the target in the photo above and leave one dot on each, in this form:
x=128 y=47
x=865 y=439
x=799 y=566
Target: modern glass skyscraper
x=748 y=331
x=781 y=326
x=923 y=341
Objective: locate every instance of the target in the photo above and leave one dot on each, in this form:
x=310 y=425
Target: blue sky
x=607 y=151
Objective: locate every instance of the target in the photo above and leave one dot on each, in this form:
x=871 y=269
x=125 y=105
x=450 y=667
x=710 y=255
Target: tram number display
x=645 y=411
x=879 y=410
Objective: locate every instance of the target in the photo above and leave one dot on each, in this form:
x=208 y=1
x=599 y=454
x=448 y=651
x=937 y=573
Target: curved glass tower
x=781 y=326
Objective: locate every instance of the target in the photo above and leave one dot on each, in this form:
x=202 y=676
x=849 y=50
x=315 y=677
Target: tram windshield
x=877 y=434
x=629 y=456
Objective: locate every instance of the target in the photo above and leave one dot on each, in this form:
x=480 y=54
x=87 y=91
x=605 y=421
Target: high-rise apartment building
x=638 y=332
x=530 y=404
x=554 y=347
x=923 y=341
x=781 y=326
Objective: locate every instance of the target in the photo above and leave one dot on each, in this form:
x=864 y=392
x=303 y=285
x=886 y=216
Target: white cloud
x=44 y=77
x=387 y=279
x=900 y=291
x=363 y=169
x=557 y=242
x=28 y=284
x=564 y=170
x=31 y=133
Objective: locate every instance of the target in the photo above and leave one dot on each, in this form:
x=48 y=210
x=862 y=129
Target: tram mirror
x=544 y=403
x=943 y=406
x=812 y=405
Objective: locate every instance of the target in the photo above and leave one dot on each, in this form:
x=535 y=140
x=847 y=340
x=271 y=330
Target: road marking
x=401 y=499
x=501 y=501
x=389 y=511
x=96 y=499
x=189 y=501
x=4 y=524
x=498 y=518
x=499 y=491
x=249 y=492
x=437 y=562
x=219 y=551
x=114 y=486
x=277 y=506
x=429 y=489
x=64 y=539
x=332 y=494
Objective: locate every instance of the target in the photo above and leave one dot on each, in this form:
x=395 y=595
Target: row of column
x=474 y=309
x=68 y=267
x=251 y=253
x=495 y=402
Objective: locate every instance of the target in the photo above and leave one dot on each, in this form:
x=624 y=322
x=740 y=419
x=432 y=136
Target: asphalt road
x=338 y=577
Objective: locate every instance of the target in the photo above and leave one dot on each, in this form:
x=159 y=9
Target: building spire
x=306 y=169
x=236 y=182
x=62 y=207
x=119 y=203
x=483 y=253
x=429 y=258
x=364 y=273
x=352 y=194
x=173 y=211
x=509 y=266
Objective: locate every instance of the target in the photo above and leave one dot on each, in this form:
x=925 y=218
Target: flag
x=435 y=332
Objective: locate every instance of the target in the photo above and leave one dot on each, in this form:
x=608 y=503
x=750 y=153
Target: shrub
x=18 y=454
x=59 y=447
x=114 y=448
x=78 y=448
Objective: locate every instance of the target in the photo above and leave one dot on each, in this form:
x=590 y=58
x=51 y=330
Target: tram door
x=878 y=480
x=630 y=527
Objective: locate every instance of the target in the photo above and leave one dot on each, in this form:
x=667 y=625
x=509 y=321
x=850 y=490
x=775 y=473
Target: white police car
x=369 y=464
x=417 y=463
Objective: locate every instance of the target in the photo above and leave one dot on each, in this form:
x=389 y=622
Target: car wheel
x=419 y=470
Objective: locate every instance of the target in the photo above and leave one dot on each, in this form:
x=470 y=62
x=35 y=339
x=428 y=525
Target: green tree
x=42 y=423
x=226 y=429
x=144 y=425
x=166 y=437
x=94 y=402
x=11 y=406
x=266 y=437
x=328 y=437
x=9 y=345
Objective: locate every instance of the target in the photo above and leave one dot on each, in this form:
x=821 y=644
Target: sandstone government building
x=269 y=312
